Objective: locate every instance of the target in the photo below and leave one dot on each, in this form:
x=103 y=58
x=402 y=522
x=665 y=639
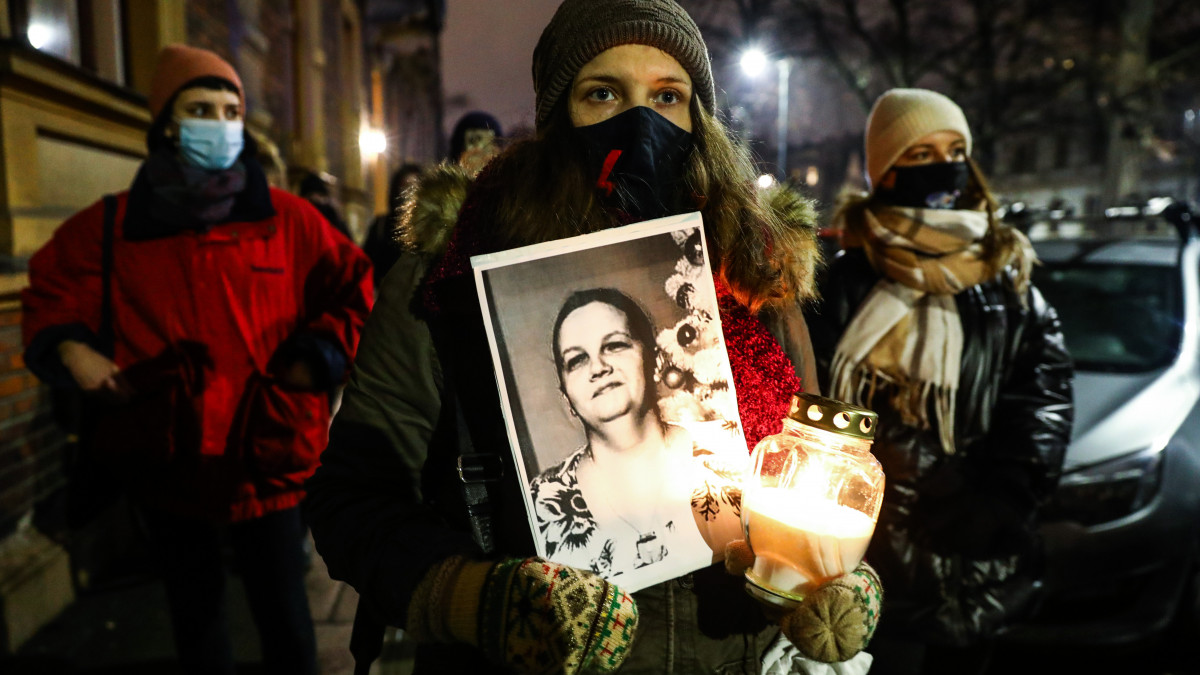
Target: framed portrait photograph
x=618 y=398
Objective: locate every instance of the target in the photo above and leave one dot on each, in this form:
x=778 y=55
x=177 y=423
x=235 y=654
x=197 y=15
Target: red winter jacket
x=198 y=318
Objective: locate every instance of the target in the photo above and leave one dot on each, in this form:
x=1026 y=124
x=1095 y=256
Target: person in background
x=418 y=503
x=929 y=318
x=381 y=245
x=315 y=188
x=271 y=162
x=206 y=331
x=475 y=141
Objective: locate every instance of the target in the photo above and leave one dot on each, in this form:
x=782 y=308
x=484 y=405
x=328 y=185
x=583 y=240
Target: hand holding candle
x=809 y=505
x=837 y=618
x=809 y=508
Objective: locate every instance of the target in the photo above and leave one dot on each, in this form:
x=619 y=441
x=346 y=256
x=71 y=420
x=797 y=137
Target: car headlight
x=1108 y=491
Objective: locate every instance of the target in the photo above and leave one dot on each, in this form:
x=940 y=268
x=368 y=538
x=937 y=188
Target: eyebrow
x=613 y=79
x=931 y=146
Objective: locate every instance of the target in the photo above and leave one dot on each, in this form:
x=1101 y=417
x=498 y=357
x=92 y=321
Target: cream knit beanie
x=902 y=116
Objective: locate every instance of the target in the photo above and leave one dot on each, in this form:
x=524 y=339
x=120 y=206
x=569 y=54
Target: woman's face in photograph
x=627 y=76
x=602 y=364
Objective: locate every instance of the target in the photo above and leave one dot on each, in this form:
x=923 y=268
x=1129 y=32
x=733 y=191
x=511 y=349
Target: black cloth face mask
x=927 y=186
x=638 y=158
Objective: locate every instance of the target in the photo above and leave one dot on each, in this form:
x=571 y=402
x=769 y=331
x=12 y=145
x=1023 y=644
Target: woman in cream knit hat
x=929 y=318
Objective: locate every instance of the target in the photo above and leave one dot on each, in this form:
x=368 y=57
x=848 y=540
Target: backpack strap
x=475 y=469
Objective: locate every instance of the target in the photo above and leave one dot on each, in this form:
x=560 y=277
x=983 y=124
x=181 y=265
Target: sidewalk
x=125 y=629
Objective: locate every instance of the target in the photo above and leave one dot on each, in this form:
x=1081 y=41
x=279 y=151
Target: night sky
x=487 y=50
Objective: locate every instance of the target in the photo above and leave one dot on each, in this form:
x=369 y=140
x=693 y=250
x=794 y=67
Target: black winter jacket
x=956 y=545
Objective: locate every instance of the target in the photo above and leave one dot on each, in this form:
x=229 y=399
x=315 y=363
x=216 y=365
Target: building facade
x=74 y=76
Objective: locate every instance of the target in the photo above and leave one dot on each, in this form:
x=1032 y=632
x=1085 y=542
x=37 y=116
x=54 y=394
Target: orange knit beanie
x=179 y=64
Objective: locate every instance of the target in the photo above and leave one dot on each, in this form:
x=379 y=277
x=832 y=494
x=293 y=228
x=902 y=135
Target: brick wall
x=30 y=443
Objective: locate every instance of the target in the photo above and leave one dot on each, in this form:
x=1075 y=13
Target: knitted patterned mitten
x=533 y=615
x=835 y=621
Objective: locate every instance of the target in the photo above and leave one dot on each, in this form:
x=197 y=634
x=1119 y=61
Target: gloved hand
x=533 y=615
x=835 y=621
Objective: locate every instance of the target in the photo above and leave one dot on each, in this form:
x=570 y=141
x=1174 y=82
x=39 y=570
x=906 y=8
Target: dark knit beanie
x=582 y=29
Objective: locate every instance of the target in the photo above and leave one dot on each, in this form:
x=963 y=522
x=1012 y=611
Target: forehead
x=593 y=319
x=634 y=60
x=203 y=94
x=940 y=138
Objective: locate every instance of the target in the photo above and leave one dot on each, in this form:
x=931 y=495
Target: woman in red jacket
x=234 y=308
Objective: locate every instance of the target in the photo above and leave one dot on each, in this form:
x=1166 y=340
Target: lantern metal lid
x=831 y=415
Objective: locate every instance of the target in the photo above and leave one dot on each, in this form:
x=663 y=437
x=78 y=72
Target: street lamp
x=372 y=142
x=753 y=62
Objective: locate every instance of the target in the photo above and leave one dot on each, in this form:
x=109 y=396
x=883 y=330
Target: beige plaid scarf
x=907 y=331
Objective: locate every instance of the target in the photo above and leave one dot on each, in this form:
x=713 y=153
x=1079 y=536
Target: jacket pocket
x=143 y=434
x=159 y=424
x=284 y=432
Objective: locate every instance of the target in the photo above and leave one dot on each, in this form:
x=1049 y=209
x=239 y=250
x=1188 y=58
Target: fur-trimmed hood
x=430 y=214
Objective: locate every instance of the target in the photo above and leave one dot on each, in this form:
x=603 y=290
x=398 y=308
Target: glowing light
x=766 y=180
x=39 y=35
x=753 y=62
x=372 y=141
x=812 y=176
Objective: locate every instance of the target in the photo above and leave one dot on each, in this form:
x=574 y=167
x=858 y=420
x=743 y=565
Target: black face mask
x=928 y=186
x=638 y=158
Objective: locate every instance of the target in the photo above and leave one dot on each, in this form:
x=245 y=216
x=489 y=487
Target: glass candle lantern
x=812 y=498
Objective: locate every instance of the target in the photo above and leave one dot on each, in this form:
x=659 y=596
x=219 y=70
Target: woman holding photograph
x=626 y=478
x=417 y=502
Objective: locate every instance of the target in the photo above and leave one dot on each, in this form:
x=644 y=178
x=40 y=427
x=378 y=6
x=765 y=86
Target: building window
x=1024 y=157
x=87 y=33
x=1098 y=148
x=1062 y=151
x=53 y=27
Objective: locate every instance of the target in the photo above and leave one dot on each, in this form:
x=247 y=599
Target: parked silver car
x=1123 y=531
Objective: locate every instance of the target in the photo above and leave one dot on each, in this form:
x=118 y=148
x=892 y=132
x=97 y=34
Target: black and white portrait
x=618 y=398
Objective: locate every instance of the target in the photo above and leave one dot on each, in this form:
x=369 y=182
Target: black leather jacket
x=956 y=545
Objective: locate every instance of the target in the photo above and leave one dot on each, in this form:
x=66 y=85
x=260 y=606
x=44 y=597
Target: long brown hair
x=542 y=190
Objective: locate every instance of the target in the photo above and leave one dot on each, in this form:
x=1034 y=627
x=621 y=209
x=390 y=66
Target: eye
x=618 y=344
x=198 y=109
x=668 y=97
x=574 y=362
x=918 y=155
x=958 y=153
x=602 y=95
x=233 y=112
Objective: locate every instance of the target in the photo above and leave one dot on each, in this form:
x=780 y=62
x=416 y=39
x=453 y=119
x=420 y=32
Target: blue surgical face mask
x=210 y=144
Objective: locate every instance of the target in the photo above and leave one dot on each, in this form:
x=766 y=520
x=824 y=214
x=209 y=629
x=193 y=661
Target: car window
x=1116 y=317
